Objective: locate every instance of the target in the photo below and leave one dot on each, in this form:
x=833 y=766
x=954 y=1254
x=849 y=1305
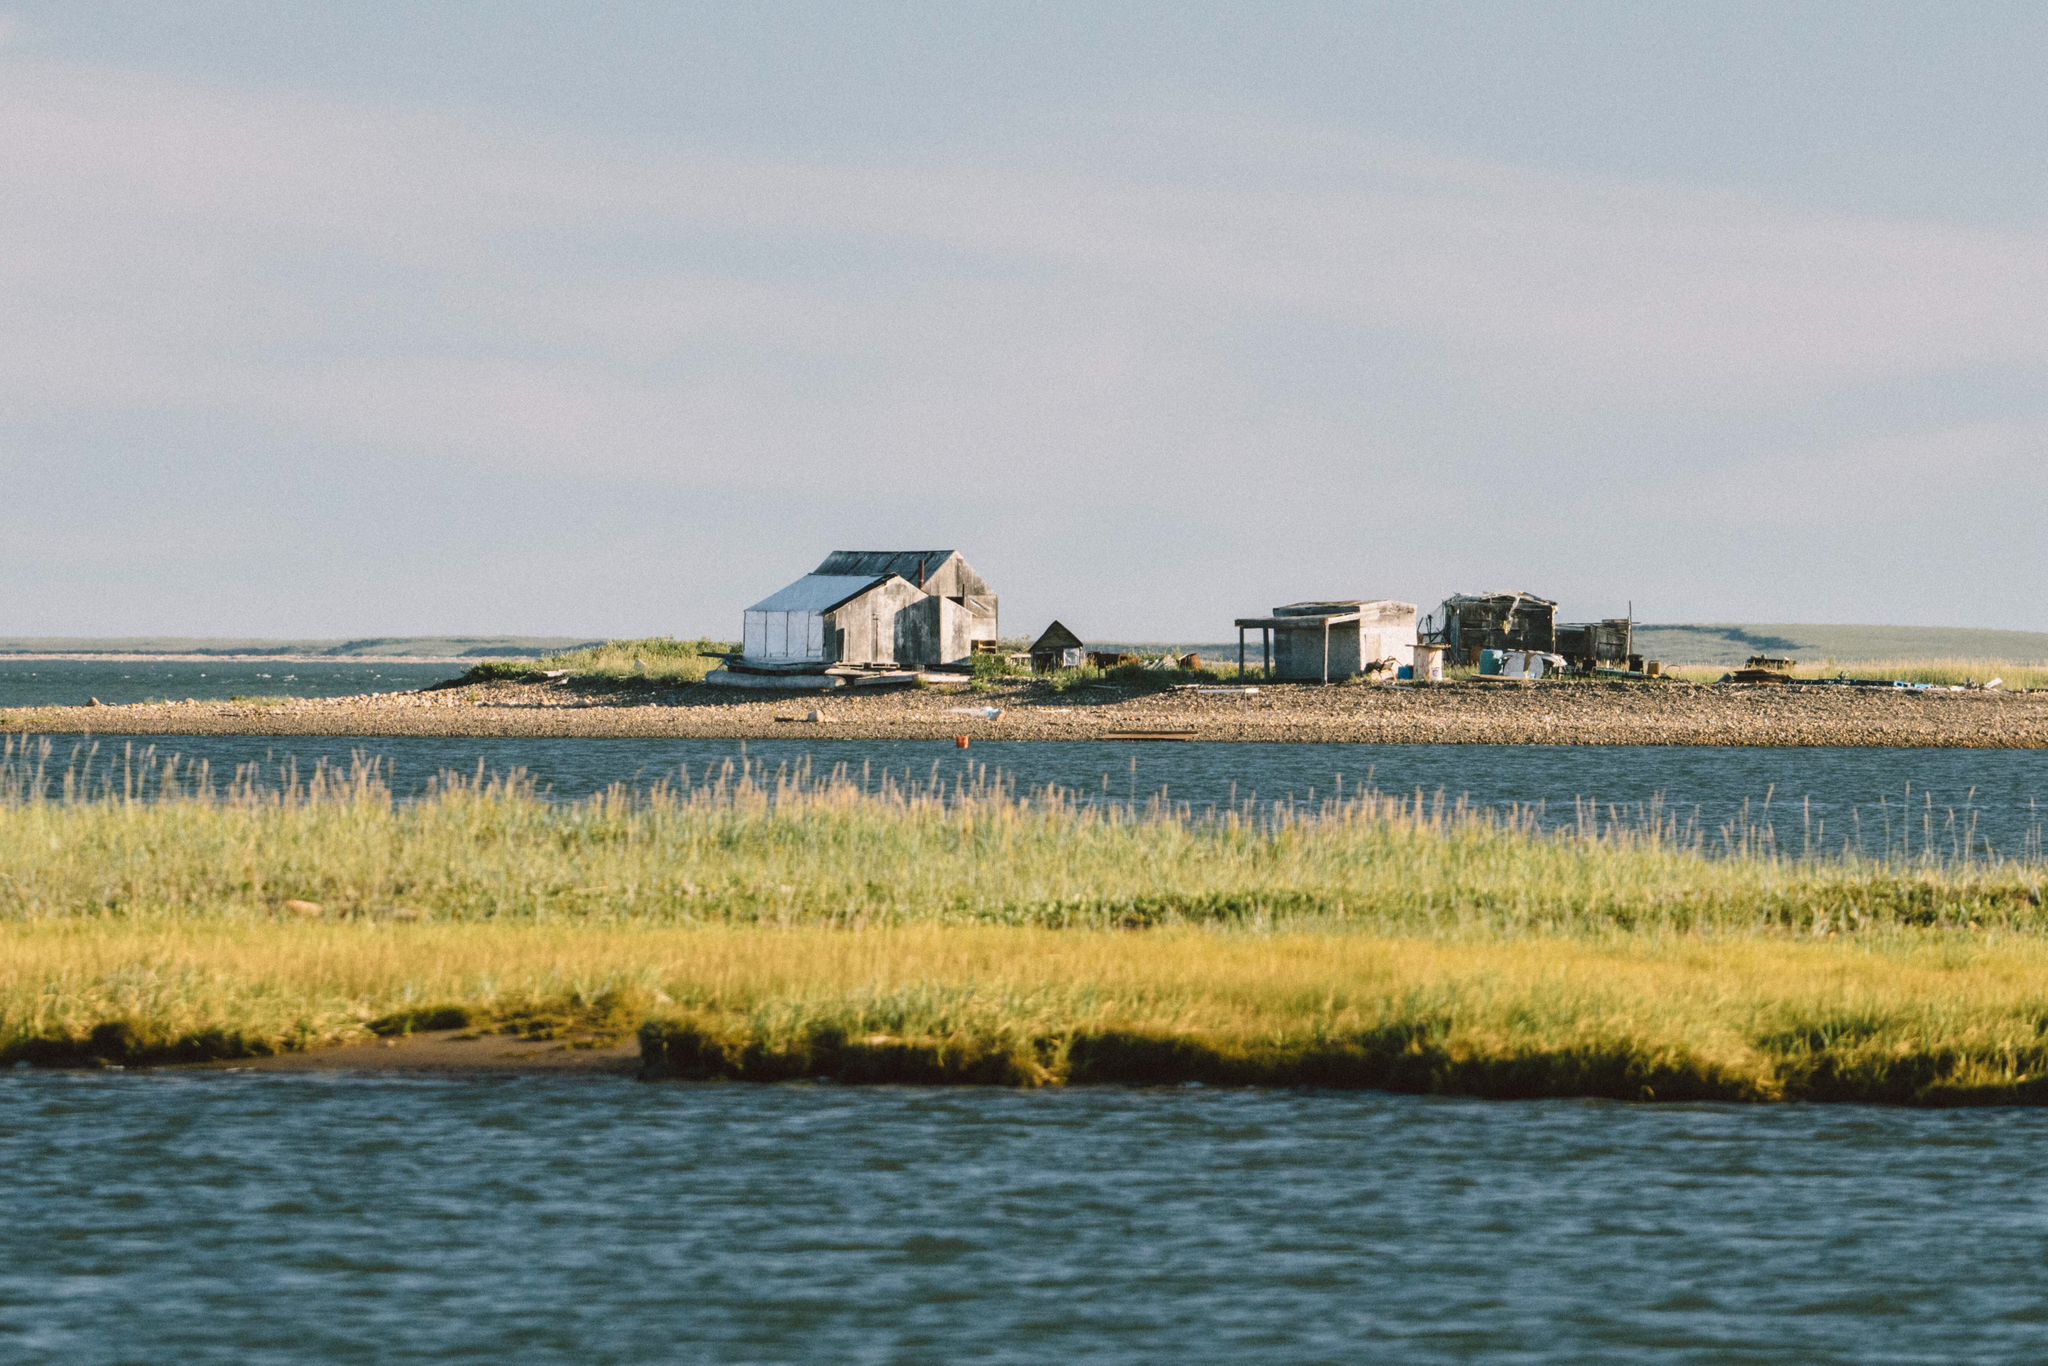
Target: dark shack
x=1058 y=648
x=1605 y=644
x=1468 y=623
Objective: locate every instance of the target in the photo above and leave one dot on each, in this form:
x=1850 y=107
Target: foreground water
x=266 y=1218
x=1881 y=801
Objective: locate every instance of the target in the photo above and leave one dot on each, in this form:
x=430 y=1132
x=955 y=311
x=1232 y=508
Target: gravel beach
x=1562 y=713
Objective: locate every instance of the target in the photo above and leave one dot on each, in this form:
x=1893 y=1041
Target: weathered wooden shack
x=1605 y=644
x=902 y=608
x=1312 y=642
x=1468 y=623
x=1058 y=648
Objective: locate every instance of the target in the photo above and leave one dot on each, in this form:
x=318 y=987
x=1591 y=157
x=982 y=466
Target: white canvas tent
x=788 y=627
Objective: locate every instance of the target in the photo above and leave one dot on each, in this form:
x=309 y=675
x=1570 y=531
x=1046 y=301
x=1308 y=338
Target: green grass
x=764 y=927
x=658 y=661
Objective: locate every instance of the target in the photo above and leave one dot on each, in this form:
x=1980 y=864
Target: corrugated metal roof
x=818 y=592
x=904 y=562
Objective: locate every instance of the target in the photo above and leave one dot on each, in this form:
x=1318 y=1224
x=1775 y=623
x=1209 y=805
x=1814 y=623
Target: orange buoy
x=960 y=742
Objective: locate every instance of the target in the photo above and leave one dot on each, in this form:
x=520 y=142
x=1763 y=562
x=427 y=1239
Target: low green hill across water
x=365 y=647
x=1731 y=644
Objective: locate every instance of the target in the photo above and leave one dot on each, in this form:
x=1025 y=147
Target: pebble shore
x=1561 y=713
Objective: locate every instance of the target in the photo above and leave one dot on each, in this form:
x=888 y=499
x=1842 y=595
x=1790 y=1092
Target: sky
x=609 y=319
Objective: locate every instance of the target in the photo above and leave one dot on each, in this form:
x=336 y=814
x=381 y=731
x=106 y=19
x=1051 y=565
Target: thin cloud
x=1087 y=319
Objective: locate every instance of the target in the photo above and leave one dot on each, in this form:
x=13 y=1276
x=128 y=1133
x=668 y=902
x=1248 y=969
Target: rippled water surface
x=348 y=1219
x=74 y=682
x=1882 y=800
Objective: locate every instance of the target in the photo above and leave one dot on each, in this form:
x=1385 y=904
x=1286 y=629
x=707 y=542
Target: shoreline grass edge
x=759 y=927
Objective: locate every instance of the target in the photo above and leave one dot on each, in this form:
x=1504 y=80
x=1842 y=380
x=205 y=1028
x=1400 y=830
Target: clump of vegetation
x=1061 y=680
x=988 y=670
x=765 y=925
x=659 y=661
x=1155 y=673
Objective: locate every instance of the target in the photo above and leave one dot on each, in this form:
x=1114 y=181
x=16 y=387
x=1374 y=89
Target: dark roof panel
x=1056 y=638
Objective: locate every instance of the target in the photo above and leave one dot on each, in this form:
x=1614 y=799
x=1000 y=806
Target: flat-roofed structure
x=1324 y=641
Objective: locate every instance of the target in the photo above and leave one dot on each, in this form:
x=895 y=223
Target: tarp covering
x=817 y=593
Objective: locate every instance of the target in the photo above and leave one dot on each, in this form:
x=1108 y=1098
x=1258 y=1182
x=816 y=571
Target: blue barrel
x=1492 y=661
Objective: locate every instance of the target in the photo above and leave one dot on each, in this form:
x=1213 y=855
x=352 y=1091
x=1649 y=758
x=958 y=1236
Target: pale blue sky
x=609 y=318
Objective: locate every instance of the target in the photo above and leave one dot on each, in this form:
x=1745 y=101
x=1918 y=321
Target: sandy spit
x=1529 y=714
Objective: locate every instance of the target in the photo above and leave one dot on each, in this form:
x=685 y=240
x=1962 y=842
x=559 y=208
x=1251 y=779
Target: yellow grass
x=657 y=660
x=1930 y=1018
x=762 y=930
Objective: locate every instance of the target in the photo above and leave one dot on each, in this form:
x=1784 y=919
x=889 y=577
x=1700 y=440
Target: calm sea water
x=227 y=1218
x=1902 y=800
x=1879 y=800
x=74 y=682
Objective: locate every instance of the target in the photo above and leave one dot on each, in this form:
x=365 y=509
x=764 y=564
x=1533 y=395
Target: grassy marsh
x=757 y=928
x=658 y=660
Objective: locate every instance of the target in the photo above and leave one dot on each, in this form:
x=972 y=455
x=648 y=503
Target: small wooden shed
x=1058 y=648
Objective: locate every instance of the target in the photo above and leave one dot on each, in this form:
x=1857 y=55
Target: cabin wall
x=931 y=631
x=1388 y=631
x=981 y=617
x=864 y=631
x=938 y=631
x=1298 y=652
x=1385 y=631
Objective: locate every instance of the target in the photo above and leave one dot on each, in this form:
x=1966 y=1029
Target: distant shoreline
x=1471 y=713
x=54 y=657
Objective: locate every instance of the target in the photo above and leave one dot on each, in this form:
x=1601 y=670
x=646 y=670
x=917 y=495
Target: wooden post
x=1266 y=653
x=1240 y=654
x=1326 y=650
